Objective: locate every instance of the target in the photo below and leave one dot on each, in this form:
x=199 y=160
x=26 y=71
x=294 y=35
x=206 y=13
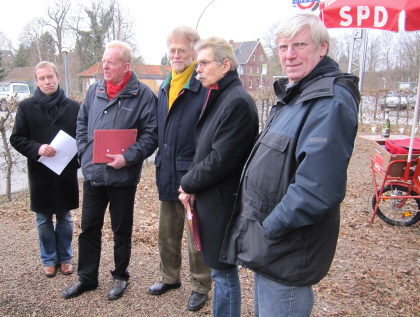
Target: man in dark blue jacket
x=286 y=217
x=181 y=98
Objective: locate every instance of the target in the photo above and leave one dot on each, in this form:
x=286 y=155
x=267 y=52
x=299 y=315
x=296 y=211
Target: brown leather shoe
x=66 y=268
x=49 y=271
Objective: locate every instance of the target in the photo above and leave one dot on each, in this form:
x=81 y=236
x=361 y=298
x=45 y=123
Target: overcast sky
x=229 y=19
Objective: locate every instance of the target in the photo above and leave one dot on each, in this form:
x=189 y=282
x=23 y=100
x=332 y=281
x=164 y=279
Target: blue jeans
x=55 y=245
x=227 y=293
x=275 y=299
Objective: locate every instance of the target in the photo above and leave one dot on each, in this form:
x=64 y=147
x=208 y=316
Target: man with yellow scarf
x=180 y=100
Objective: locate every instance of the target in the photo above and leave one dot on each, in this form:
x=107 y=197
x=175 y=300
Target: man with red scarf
x=119 y=101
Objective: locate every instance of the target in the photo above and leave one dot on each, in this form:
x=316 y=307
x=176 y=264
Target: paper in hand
x=65 y=149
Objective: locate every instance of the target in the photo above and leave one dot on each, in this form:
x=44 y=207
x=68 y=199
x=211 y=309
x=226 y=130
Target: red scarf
x=112 y=89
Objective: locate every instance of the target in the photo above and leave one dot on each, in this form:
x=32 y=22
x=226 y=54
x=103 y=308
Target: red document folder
x=193 y=225
x=111 y=142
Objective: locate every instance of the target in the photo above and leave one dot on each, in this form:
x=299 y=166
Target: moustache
x=200 y=76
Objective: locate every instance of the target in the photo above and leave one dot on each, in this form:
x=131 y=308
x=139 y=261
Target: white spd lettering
x=380 y=17
x=363 y=13
x=376 y=22
x=344 y=14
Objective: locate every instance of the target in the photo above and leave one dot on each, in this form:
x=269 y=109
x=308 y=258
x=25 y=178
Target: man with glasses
x=181 y=98
x=287 y=216
x=224 y=136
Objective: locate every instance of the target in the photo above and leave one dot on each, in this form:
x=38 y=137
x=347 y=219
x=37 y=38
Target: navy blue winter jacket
x=176 y=134
x=287 y=215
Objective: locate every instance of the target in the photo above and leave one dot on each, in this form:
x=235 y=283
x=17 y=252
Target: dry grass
x=375 y=271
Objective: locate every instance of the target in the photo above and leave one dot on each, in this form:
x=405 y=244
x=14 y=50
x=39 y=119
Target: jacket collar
x=193 y=84
x=319 y=83
x=225 y=81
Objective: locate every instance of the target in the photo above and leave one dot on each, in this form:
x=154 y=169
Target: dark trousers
x=121 y=205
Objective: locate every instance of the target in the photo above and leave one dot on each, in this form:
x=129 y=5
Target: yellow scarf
x=178 y=82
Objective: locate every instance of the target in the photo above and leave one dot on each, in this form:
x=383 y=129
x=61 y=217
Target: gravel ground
x=375 y=271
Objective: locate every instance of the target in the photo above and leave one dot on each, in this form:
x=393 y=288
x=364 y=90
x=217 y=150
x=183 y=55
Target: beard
x=180 y=68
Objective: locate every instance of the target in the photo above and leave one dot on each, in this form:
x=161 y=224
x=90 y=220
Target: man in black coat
x=38 y=120
x=224 y=136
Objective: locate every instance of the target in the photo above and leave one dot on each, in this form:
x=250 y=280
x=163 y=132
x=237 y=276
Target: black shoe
x=77 y=289
x=117 y=289
x=161 y=288
x=196 y=301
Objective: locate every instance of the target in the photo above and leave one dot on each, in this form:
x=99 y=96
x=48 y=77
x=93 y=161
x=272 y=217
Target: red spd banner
x=372 y=14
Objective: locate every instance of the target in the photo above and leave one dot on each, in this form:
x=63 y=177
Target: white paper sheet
x=65 y=149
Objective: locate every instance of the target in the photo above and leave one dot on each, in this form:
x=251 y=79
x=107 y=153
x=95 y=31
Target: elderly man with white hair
x=286 y=218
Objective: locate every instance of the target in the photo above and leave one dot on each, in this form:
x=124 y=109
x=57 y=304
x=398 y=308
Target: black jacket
x=176 y=135
x=287 y=215
x=50 y=193
x=224 y=136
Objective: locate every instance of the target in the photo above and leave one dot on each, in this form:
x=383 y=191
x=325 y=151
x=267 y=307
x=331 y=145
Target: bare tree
x=5 y=42
x=123 y=25
x=339 y=50
x=31 y=38
x=6 y=124
x=57 y=19
x=270 y=48
x=386 y=40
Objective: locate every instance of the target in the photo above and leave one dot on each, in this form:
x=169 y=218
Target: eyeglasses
x=296 y=46
x=180 y=51
x=202 y=64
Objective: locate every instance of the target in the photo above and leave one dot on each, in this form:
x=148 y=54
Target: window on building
x=250 y=83
x=262 y=58
x=240 y=70
x=253 y=57
x=258 y=70
x=250 y=69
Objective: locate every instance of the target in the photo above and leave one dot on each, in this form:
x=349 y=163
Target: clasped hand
x=118 y=162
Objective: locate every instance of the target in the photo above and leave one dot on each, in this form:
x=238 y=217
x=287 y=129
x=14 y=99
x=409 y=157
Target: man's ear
x=226 y=65
x=324 y=49
x=127 y=67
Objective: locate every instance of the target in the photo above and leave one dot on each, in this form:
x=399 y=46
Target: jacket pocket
x=280 y=258
x=183 y=164
x=264 y=173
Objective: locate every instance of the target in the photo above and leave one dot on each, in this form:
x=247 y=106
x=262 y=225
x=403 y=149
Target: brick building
x=252 y=64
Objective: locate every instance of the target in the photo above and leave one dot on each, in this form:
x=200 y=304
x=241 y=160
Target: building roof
x=244 y=50
x=142 y=71
x=21 y=74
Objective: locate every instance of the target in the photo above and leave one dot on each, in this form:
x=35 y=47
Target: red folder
x=193 y=225
x=111 y=142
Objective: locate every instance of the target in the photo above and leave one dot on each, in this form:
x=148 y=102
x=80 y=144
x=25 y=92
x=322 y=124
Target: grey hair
x=290 y=27
x=185 y=32
x=45 y=64
x=126 y=54
x=221 y=50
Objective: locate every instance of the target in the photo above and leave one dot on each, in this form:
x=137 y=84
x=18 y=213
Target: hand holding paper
x=65 y=149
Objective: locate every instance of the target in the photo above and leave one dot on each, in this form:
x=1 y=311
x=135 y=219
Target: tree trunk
x=8 y=159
